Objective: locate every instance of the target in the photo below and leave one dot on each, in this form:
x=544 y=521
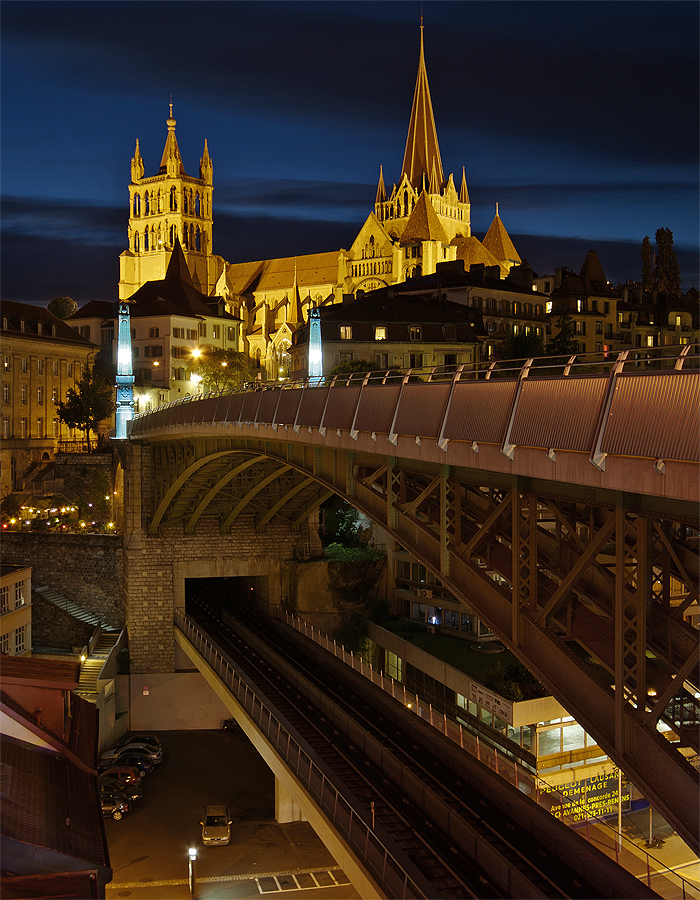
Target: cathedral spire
x=463 y=191
x=206 y=167
x=381 y=190
x=137 y=168
x=422 y=154
x=171 y=161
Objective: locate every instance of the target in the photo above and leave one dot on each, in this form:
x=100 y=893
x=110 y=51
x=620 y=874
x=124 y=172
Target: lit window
x=5 y=643
x=415 y=332
x=650 y=340
x=380 y=332
x=23 y=394
x=346 y=332
x=23 y=428
x=5 y=392
x=40 y=366
x=19 y=594
x=548 y=306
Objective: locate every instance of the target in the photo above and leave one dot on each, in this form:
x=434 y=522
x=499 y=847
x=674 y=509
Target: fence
x=377 y=860
x=655 y=873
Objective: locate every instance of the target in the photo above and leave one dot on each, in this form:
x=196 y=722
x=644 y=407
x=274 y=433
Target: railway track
x=447 y=866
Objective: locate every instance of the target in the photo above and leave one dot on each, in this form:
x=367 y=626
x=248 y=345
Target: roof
x=171 y=149
x=498 y=242
x=312 y=269
x=473 y=252
x=423 y=224
x=173 y=295
x=94 y=309
x=46 y=671
x=422 y=154
x=33 y=316
x=43 y=791
x=592 y=273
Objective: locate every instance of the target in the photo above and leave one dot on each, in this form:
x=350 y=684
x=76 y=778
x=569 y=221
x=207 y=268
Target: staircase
x=83 y=615
x=92 y=666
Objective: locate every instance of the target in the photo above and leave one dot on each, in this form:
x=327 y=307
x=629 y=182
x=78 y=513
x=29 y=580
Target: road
x=149 y=846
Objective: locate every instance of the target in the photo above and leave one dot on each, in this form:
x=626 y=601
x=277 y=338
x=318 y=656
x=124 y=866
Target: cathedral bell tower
x=162 y=208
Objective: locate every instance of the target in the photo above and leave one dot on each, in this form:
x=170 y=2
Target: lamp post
x=193 y=862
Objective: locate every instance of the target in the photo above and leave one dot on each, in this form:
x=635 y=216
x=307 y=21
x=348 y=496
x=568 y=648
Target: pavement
x=149 y=847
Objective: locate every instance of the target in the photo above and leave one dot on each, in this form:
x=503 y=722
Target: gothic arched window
x=184 y=201
x=147 y=203
x=137 y=204
x=136 y=242
x=196 y=204
x=185 y=237
x=198 y=239
x=173 y=199
x=173 y=234
x=145 y=239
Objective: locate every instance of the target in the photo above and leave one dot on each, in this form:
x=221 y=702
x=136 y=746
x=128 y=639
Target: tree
x=523 y=346
x=87 y=404
x=62 y=307
x=564 y=343
x=361 y=367
x=647 y=264
x=220 y=369
x=667 y=273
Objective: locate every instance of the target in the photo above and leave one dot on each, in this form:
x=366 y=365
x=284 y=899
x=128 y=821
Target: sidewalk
x=662 y=866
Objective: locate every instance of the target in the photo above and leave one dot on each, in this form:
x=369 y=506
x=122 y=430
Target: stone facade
x=84 y=568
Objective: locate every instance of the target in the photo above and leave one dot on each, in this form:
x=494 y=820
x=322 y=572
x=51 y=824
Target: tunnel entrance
x=240 y=595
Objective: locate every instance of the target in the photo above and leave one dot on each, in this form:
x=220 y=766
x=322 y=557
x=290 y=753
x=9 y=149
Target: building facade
x=16 y=610
x=42 y=357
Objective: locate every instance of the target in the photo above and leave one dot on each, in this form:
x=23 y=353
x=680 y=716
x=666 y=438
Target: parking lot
x=149 y=846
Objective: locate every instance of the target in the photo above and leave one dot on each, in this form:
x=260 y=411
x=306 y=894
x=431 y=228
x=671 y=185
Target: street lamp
x=193 y=861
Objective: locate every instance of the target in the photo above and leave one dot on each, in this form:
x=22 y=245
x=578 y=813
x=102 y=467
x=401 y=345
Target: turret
x=206 y=167
x=137 y=168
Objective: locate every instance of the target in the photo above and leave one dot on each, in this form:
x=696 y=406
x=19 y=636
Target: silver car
x=154 y=754
x=216 y=825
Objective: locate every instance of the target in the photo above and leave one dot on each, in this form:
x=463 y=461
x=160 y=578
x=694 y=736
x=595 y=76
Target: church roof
x=242 y=277
x=171 y=149
x=173 y=295
x=312 y=269
x=498 y=242
x=422 y=154
x=473 y=252
x=423 y=224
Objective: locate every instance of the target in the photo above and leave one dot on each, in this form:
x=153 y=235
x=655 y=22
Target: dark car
x=112 y=785
x=114 y=804
x=142 y=763
x=127 y=774
x=139 y=738
x=116 y=753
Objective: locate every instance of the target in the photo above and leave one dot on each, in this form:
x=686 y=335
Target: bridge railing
x=654 y=873
x=374 y=856
x=641 y=359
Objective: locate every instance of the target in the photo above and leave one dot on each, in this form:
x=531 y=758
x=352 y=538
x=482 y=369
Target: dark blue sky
x=579 y=118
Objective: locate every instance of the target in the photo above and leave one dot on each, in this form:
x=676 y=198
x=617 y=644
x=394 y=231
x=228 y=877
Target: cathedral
x=424 y=220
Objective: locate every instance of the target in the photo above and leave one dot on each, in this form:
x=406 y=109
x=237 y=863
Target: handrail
x=532 y=785
x=640 y=359
x=376 y=858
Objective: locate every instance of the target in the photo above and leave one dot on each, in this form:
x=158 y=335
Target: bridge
x=558 y=502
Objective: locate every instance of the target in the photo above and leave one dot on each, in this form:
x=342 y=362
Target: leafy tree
x=647 y=264
x=91 y=401
x=220 y=369
x=62 y=307
x=564 y=343
x=667 y=273
x=523 y=346
x=352 y=366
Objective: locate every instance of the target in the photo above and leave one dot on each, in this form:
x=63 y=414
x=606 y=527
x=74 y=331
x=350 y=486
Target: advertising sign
x=581 y=800
x=491 y=702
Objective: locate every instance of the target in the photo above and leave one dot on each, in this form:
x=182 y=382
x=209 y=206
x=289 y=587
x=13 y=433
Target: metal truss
x=587 y=587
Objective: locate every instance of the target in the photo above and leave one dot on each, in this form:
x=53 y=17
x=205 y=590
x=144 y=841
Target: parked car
x=114 y=804
x=132 y=793
x=149 y=739
x=127 y=774
x=136 y=760
x=152 y=753
x=216 y=825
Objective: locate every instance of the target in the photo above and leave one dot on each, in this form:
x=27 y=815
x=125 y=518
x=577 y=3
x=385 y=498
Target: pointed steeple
x=423 y=224
x=294 y=314
x=463 y=191
x=177 y=267
x=137 y=168
x=206 y=167
x=171 y=161
x=381 y=190
x=422 y=153
x=498 y=242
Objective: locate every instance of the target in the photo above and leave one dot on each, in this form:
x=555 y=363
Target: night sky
x=579 y=118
